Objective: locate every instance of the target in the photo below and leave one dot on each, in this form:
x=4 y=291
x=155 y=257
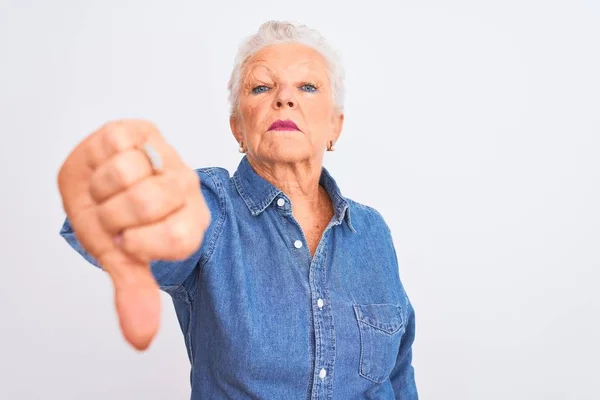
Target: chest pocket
x=381 y=327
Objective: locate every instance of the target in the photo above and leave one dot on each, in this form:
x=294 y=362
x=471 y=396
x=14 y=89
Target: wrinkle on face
x=284 y=69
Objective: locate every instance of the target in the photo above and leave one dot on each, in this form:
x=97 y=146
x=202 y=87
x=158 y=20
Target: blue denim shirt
x=263 y=320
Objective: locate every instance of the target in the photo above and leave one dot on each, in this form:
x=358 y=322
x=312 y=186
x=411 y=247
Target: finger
x=137 y=297
x=110 y=139
x=73 y=184
x=118 y=136
x=136 y=293
x=148 y=201
x=174 y=238
x=118 y=173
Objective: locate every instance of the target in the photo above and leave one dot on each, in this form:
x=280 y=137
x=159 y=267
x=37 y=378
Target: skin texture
x=125 y=215
x=279 y=82
x=109 y=191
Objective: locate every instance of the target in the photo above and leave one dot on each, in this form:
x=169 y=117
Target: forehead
x=286 y=57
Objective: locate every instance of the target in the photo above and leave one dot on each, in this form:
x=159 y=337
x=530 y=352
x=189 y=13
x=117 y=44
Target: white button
x=320 y=303
x=298 y=244
x=280 y=202
x=322 y=373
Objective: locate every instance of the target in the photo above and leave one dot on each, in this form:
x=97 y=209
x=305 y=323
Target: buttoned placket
x=323 y=328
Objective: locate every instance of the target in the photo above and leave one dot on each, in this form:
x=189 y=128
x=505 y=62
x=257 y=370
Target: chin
x=287 y=147
x=288 y=153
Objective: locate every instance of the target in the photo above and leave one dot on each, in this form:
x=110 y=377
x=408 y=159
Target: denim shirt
x=262 y=319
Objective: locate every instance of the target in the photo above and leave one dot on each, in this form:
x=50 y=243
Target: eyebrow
x=261 y=66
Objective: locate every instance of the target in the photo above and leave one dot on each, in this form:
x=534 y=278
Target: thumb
x=137 y=298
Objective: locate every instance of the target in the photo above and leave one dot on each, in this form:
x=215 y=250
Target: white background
x=472 y=126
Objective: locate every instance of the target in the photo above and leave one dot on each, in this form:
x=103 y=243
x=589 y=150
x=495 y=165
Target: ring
x=154 y=157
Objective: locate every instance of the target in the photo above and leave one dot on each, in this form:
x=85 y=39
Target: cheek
x=254 y=113
x=319 y=115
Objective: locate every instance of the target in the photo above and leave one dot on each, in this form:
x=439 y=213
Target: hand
x=125 y=215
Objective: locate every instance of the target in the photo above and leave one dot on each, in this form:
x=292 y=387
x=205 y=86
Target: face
x=288 y=83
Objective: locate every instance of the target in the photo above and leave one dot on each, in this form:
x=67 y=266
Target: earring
x=241 y=149
x=330 y=147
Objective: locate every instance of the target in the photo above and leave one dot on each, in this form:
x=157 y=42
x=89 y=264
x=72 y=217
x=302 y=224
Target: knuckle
x=121 y=172
x=114 y=136
x=146 y=126
x=144 y=204
x=108 y=218
x=151 y=126
x=130 y=242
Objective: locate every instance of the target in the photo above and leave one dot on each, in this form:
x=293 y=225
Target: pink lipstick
x=280 y=125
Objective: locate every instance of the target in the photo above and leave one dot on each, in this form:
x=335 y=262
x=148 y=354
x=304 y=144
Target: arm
x=170 y=275
x=402 y=376
x=126 y=212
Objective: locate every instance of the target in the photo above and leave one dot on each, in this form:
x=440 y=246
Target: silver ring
x=154 y=157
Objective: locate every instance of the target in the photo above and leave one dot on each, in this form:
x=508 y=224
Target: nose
x=289 y=103
x=285 y=99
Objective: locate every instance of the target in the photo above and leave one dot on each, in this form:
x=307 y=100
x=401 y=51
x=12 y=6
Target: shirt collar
x=258 y=193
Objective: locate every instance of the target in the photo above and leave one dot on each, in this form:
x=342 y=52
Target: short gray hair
x=276 y=32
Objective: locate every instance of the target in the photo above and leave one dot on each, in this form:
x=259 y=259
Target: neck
x=298 y=180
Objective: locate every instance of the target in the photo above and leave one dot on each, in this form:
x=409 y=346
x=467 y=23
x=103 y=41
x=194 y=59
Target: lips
x=281 y=125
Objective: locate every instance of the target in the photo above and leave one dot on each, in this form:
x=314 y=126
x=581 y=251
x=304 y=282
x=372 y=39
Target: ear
x=338 y=124
x=234 y=124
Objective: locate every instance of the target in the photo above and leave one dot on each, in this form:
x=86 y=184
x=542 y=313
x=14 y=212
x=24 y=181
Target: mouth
x=283 y=125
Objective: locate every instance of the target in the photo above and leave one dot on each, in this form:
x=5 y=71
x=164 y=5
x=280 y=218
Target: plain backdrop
x=473 y=127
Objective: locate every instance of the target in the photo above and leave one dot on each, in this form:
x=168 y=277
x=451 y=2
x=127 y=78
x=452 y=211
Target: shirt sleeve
x=173 y=274
x=403 y=373
x=403 y=376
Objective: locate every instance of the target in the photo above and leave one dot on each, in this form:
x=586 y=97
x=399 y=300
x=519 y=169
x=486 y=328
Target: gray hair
x=276 y=32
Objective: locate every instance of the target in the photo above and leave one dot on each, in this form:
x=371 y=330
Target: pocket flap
x=386 y=317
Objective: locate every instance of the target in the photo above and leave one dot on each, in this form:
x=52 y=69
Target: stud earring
x=241 y=149
x=330 y=147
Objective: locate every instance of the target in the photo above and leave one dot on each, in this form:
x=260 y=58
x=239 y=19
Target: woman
x=283 y=287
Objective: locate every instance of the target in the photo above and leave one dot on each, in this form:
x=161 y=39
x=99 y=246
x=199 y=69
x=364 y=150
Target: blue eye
x=307 y=87
x=259 y=89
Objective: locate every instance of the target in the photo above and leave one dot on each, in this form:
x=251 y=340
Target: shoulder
x=213 y=177
x=367 y=218
x=363 y=208
x=373 y=228
x=213 y=183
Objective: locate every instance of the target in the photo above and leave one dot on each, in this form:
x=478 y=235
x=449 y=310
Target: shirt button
x=298 y=244
x=320 y=303
x=280 y=202
x=322 y=373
